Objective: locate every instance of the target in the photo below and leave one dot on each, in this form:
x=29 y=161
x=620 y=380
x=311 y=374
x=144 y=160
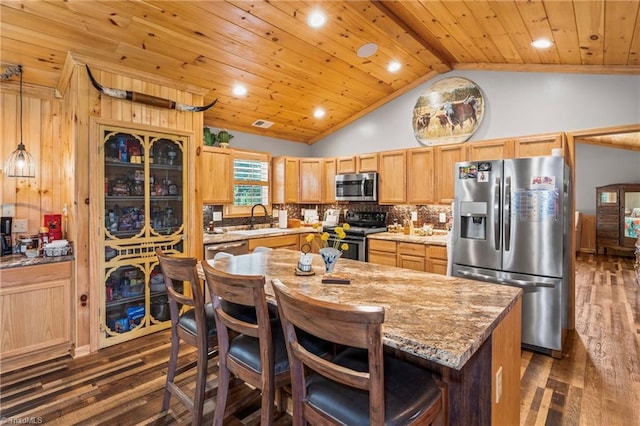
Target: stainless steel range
x=361 y=224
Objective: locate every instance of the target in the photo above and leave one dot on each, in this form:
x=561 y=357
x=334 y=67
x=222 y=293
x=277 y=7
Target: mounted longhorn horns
x=146 y=99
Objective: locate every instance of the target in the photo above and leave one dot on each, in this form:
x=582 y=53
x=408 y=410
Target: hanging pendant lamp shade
x=20 y=163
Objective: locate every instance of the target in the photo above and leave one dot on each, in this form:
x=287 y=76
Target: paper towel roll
x=282 y=219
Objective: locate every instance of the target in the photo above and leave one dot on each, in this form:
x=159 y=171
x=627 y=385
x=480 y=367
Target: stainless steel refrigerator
x=511 y=227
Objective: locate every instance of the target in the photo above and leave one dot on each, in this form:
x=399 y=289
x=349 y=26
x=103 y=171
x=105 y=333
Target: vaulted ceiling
x=289 y=69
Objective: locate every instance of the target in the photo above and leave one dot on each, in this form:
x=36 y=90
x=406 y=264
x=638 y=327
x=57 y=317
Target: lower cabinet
x=416 y=256
x=35 y=307
x=382 y=252
x=411 y=256
x=437 y=259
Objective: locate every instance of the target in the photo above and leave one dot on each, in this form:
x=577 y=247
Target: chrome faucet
x=266 y=215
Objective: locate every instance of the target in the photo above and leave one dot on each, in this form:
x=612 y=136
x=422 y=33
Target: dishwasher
x=235 y=247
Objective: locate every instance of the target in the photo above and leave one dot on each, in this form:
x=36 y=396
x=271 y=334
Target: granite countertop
x=437 y=239
x=19 y=260
x=434 y=317
x=230 y=236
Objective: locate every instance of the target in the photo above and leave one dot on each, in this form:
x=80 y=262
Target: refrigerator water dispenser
x=473 y=220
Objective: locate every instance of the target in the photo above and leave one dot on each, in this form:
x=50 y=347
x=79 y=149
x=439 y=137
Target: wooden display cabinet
x=143 y=205
x=617 y=217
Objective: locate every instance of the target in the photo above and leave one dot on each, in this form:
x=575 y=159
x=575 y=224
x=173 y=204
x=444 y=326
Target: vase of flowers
x=330 y=252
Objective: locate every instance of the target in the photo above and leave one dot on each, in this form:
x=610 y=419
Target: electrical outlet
x=443 y=217
x=8 y=210
x=217 y=216
x=414 y=216
x=19 y=225
x=498 y=384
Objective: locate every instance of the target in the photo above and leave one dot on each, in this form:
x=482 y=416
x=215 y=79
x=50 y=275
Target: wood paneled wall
x=42 y=137
x=58 y=133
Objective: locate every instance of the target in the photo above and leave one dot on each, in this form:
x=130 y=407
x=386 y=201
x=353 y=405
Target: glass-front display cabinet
x=143 y=206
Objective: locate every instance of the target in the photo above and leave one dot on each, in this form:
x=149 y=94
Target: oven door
x=357 y=247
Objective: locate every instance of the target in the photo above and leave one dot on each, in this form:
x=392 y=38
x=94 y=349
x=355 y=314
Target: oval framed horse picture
x=448 y=111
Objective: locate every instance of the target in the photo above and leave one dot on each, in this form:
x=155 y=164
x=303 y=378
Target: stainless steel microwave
x=357 y=187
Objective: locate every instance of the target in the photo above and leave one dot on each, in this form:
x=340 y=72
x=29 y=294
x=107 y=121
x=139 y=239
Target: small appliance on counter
x=331 y=217
x=5 y=230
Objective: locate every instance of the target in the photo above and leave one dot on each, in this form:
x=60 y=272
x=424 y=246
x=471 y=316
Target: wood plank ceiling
x=290 y=69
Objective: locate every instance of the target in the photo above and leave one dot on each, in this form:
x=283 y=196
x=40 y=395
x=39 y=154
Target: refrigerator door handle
x=474 y=275
x=507 y=214
x=526 y=284
x=496 y=213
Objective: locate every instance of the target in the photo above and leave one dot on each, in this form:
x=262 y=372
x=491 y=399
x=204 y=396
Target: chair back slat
x=354 y=326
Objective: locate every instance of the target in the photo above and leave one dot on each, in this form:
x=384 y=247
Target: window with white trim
x=250 y=182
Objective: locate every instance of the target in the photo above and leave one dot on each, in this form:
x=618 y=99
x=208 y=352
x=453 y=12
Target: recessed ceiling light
x=394 y=66
x=316 y=19
x=318 y=113
x=239 y=90
x=541 y=43
x=367 y=50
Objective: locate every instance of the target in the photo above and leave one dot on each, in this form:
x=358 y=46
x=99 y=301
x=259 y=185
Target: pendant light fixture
x=20 y=163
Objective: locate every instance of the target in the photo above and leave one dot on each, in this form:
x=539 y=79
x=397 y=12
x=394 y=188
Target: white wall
x=599 y=166
x=517 y=104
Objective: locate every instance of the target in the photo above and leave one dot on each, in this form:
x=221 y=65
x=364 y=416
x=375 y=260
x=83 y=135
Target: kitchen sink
x=254 y=232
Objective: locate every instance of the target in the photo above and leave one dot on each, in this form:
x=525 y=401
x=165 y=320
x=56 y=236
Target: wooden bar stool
x=195 y=326
x=359 y=386
x=256 y=352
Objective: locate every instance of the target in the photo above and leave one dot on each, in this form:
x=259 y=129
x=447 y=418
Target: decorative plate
x=449 y=111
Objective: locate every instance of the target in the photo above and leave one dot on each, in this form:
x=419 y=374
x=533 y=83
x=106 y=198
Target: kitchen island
x=467 y=333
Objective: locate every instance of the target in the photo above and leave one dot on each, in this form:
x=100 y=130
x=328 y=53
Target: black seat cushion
x=246 y=349
x=188 y=320
x=408 y=390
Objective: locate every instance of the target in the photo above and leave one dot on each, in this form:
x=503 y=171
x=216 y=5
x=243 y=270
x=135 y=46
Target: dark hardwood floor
x=597 y=382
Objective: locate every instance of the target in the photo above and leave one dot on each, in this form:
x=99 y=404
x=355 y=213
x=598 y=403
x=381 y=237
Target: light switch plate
x=217 y=216
x=443 y=217
x=414 y=216
x=8 y=210
x=19 y=225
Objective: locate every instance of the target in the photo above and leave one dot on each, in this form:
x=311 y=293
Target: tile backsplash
x=426 y=213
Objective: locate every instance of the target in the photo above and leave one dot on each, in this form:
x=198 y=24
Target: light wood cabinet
x=382 y=252
x=311 y=182
x=537 y=145
x=420 y=176
x=217 y=175
x=284 y=179
x=446 y=158
x=411 y=256
x=35 y=307
x=290 y=241
x=392 y=182
x=346 y=165
x=491 y=150
x=363 y=163
x=367 y=163
x=437 y=260
x=328 y=180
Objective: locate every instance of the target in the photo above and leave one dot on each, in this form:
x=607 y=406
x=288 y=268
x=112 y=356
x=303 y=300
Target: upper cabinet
x=367 y=163
x=537 y=145
x=420 y=176
x=311 y=171
x=329 y=180
x=392 y=182
x=491 y=150
x=446 y=157
x=284 y=180
x=217 y=175
x=363 y=163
